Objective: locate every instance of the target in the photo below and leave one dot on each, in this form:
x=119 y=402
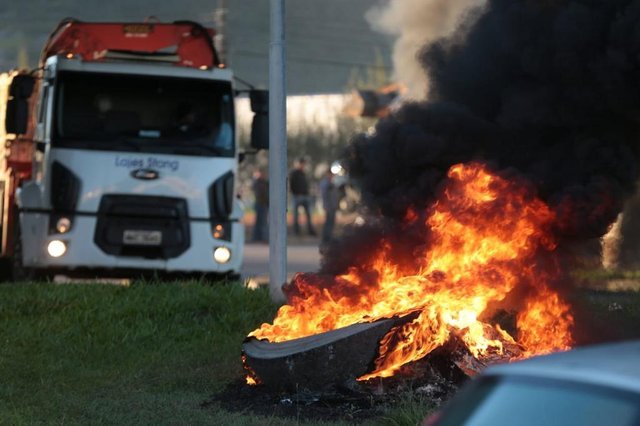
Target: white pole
x=277 y=155
x=220 y=21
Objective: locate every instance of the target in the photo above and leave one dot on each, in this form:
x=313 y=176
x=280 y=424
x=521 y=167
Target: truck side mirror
x=17 y=114
x=260 y=125
x=260 y=131
x=22 y=86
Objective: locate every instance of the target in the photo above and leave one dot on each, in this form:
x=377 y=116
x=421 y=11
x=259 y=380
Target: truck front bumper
x=82 y=253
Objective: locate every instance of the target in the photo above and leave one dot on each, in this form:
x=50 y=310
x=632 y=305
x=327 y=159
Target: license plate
x=142 y=238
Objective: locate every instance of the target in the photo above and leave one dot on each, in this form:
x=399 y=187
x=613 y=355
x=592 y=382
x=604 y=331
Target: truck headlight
x=63 y=225
x=218 y=232
x=221 y=230
x=56 y=248
x=221 y=254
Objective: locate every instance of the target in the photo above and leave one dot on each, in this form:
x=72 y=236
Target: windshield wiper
x=105 y=144
x=201 y=149
x=131 y=143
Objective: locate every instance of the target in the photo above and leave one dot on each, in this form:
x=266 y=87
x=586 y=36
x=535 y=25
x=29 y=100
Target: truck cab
x=134 y=156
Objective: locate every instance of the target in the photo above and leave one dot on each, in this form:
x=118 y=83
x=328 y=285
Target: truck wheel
x=233 y=277
x=6 y=275
x=19 y=272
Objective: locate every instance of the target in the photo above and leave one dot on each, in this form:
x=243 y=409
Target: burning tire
x=318 y=361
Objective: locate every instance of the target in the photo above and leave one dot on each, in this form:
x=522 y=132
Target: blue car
x=590 y=386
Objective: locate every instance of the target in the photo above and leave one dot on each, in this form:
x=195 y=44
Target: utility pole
x=277 y=154
x=220 y=21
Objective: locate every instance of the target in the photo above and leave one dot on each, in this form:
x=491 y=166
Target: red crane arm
x=183 y=43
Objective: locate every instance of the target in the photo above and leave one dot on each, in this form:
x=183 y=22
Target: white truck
x=120 y=155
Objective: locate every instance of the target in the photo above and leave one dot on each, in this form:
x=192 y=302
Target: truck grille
x=142 y=226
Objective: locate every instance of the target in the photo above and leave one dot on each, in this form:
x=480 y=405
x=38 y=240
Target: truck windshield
x=144 y=113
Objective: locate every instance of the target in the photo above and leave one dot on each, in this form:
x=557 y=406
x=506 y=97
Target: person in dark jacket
x=330 y=199
x=261 y=206
x=299 y=186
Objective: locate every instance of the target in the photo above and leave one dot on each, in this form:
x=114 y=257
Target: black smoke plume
x=548 y=90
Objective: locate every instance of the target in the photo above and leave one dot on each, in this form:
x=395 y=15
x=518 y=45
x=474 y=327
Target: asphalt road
x=302 y=256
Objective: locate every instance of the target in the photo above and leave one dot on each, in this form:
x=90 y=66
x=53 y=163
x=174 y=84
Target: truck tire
x=6 y=275
x=19 y=273
x=232 y=277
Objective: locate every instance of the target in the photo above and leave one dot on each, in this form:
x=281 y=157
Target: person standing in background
x=330 y=199
x=261 y=206
x=299 y=186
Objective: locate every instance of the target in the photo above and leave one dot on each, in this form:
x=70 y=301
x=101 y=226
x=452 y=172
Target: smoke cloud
x=416 y=23
x=546 y=90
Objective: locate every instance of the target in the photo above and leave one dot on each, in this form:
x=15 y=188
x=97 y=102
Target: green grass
x=599 y=274
x=152 y=353
x=105 y=354
x=144 y=354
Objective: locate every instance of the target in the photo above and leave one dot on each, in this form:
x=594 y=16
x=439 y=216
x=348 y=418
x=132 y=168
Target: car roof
x=613 y=365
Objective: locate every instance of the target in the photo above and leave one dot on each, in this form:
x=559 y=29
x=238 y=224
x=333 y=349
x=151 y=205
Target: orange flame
x=251 y=378
x=545 y=315
x=485 y=233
